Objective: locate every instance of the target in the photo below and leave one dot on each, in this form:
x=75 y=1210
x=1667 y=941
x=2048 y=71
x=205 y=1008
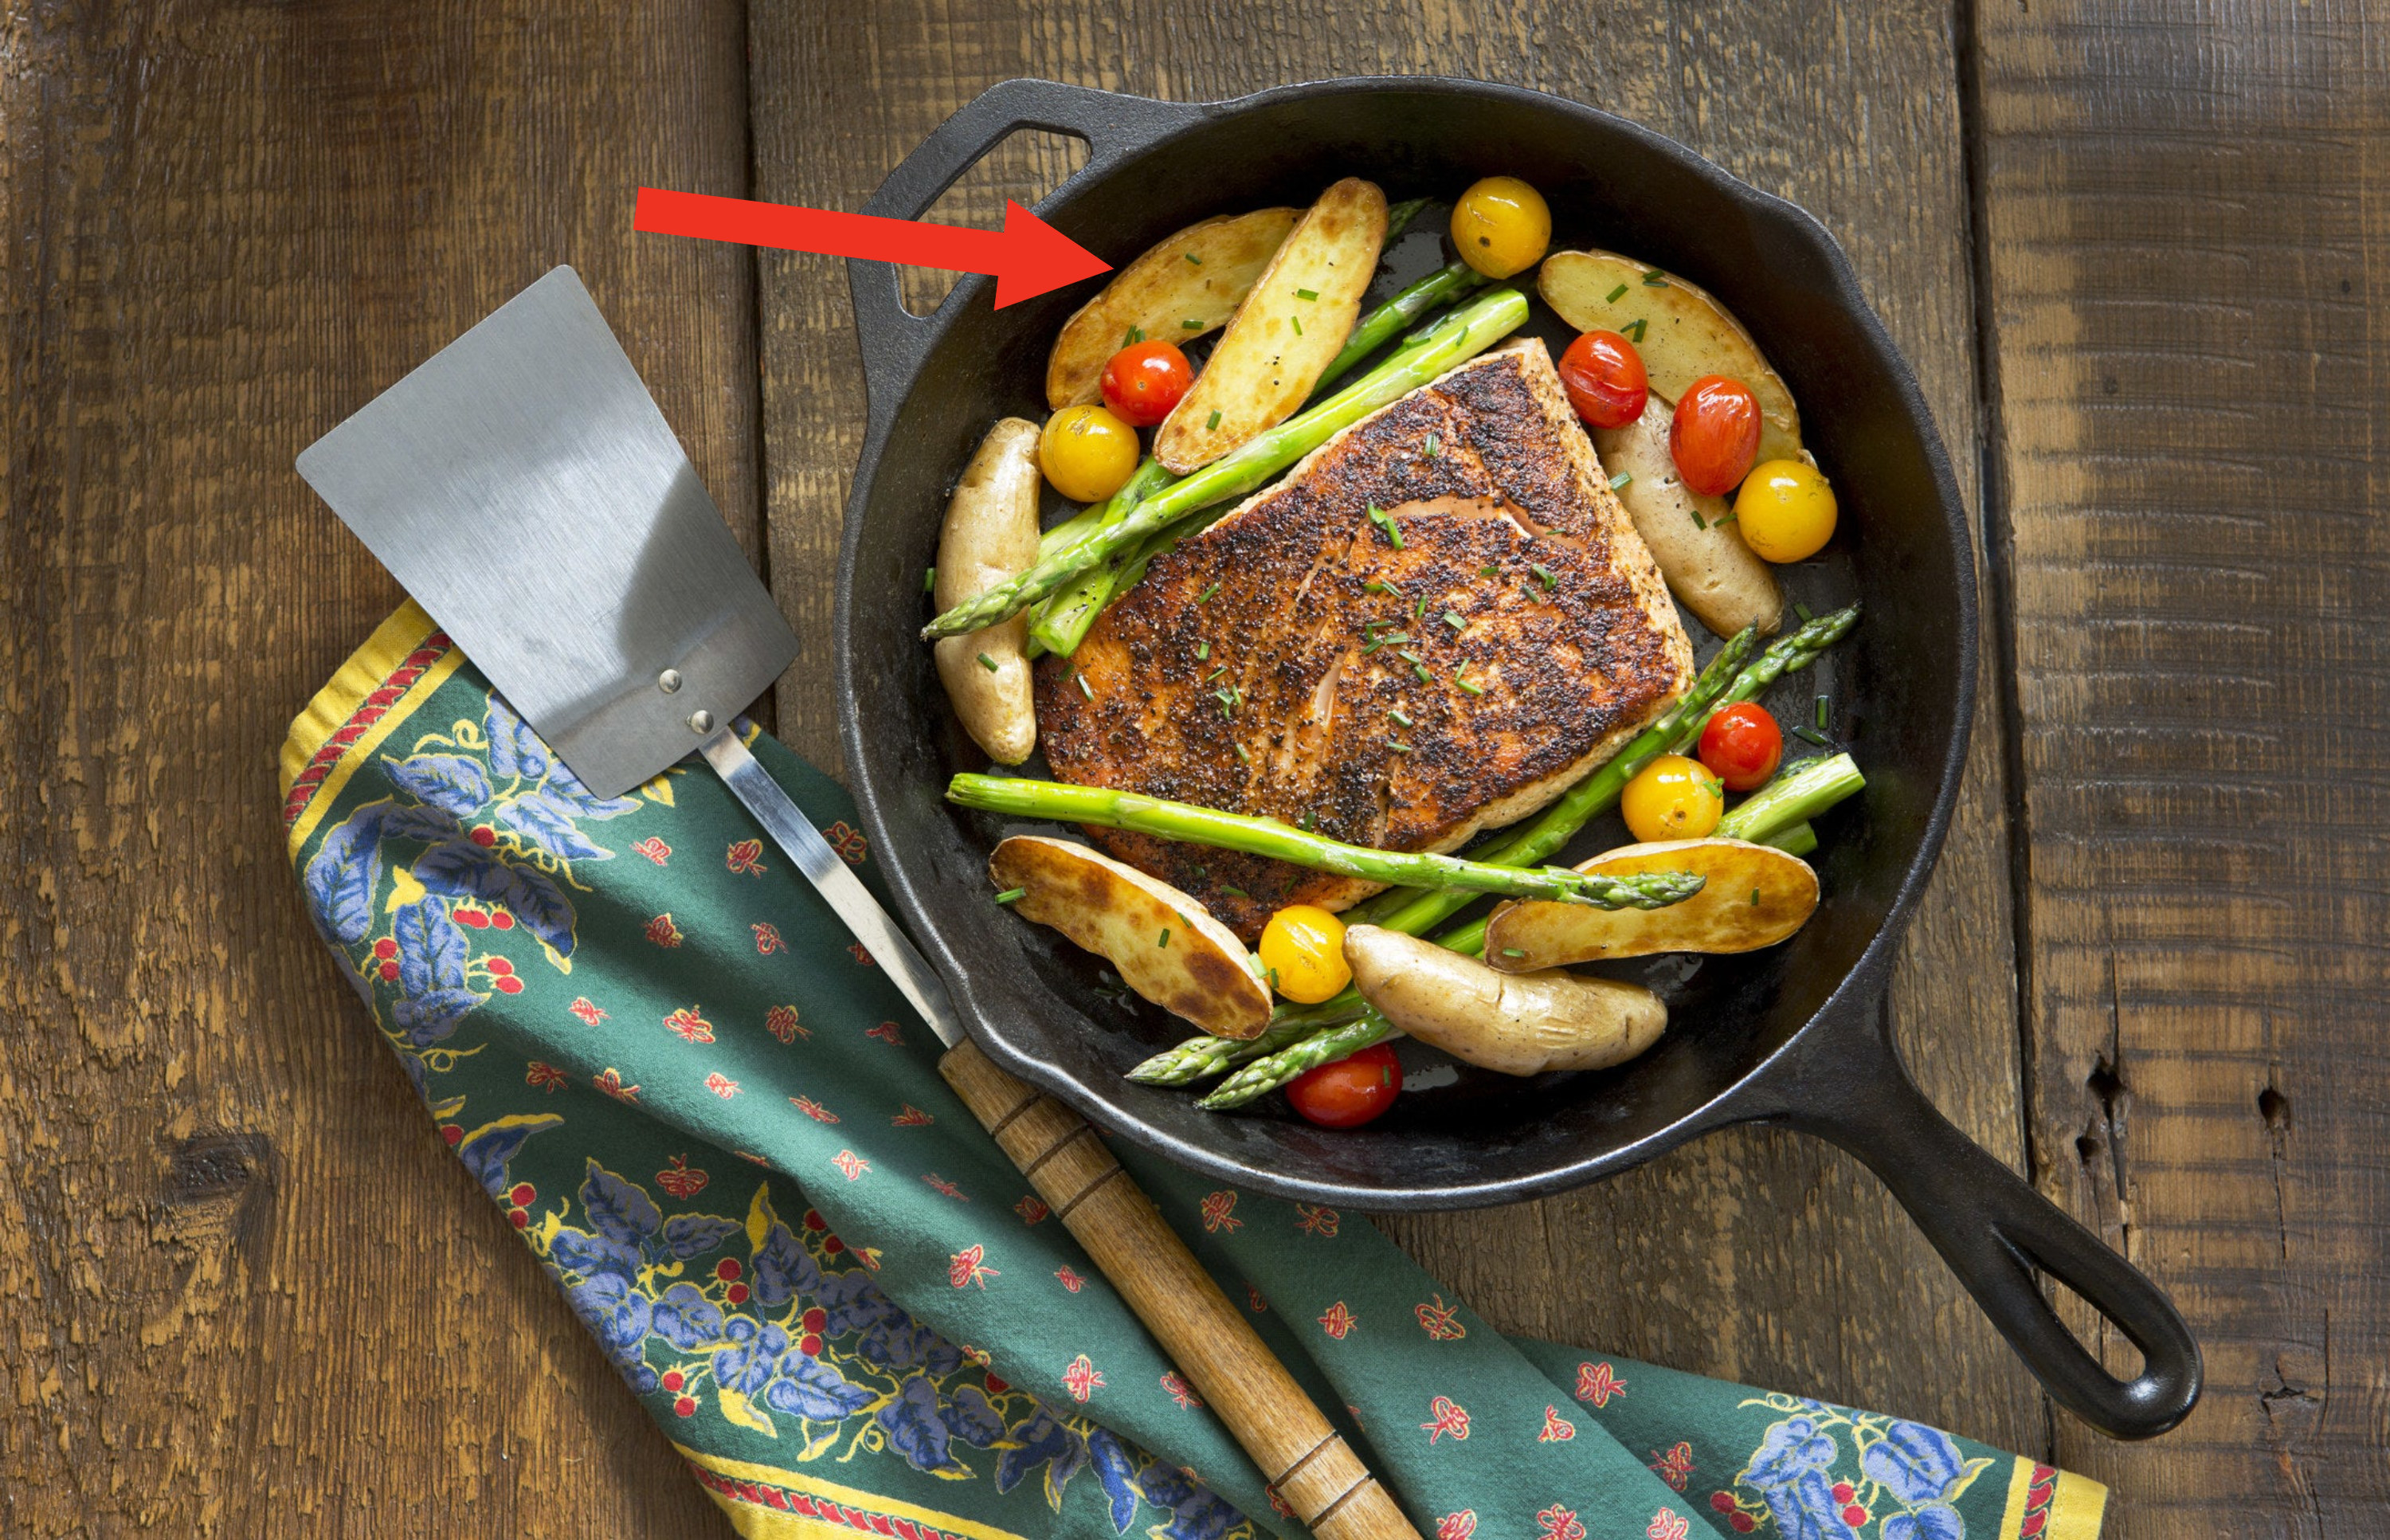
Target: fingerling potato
x=1165 y=946
x=1181 y=289
x=989 y=535
x=1703 y=557
x=1686 y=334
x=1518 y=1024
x=1755 y=897
x=1289 y=329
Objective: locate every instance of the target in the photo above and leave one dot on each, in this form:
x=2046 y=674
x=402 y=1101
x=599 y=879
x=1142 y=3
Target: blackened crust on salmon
x=1399 y=681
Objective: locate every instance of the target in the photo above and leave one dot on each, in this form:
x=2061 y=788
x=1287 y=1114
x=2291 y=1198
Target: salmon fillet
x=1453 y=664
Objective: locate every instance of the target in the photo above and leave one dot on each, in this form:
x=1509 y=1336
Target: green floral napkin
x=724 y=1133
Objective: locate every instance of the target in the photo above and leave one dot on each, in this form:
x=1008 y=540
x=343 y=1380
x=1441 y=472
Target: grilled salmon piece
x=1437 y=622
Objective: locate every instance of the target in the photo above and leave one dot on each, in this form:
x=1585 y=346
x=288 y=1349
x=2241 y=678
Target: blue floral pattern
x=1901 y=1478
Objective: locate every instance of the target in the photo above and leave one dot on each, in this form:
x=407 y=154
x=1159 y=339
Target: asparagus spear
x=1201 y=1057
x=1396 y=314
x=1399 y=217
x=1064 y=619
x=1798 y=793
x=1460 y=337
x=1063 y=803
x=1267 y=1073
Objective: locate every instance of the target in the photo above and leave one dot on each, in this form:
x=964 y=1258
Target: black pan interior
x=1895 y=690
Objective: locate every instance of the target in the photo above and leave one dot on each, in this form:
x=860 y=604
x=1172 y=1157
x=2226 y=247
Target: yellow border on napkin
x=757 y=1521
x=367 y=669
x=2073 y=1508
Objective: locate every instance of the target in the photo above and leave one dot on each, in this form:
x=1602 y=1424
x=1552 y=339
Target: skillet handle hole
x=1024 y=166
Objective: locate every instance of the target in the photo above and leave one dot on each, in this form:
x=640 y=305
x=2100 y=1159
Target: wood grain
x=2188 y=224
x=254 y=1294
x=1304 y=1458
x=1754 y=1255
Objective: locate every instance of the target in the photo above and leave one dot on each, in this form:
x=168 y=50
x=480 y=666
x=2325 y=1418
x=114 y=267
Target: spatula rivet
x=668 y=681
x=700 y=721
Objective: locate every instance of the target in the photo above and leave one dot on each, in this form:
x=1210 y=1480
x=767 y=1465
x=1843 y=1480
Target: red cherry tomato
x=1743 y=746
x=1715 y=434
x=1603 y=376
x=1351 y=1091
x=1144 y=380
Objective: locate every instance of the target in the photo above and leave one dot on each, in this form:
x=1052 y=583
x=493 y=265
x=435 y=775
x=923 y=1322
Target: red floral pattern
x=813 y=1109
x=968 y=1266
x=1457 y=1526
x=1031 y=1209
x=721 y=1084
x=848 y=840
x=781 y=1022
x=546 y=1076
x=609 y=1079
x=912 y=1117
x=1446 y=1417
x=1597 y=1384
x=849 y=1163
x=679 y=1180
x=654 y=850
x=1557 y=1428
x=1338 y=1322
x=887 y=1032
x=745 y=858
x=767 y=937
x=1675 y=1467
x=688 y=1023
x=1219 y=1212
x=1667 y=1525
x=1559 y=1524
x=1180 y=1392
x=1312 y=1219
x=939 y=1183
x=855 y=949
x=1070 y=1278
x=663 y=931
x=1082 y=1379
x=588 y=1012
x=1441 y=1321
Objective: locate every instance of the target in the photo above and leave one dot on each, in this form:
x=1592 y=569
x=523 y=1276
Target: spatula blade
x=524 y=488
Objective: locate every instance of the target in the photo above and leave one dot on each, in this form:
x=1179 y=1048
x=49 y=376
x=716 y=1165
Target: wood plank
x=2189 y=256
x=256 y=1295
x=1754 y=1254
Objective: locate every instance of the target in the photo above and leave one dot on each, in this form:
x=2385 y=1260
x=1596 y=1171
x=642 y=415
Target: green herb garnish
x=1655 y=280
x=1698 y=521
x=1611 y=297
x=1385 y=521
x=1455 y=621
x=1296 y=322
x=1811 y=735
x=1802 y=610
x=1205 y=597
x=1474 y=690
x=1085 y=689
x=1233 y=891
x=1307 y=294
x=1398 y=746
x=1009 y=895
x=1620 y=481
x=1512 y=952
x=929 y=580
x=1192 y=325
x=1135 y=336
x=1192 y=257
x=1485 y=572
x=1546 y=576
x=1165 y=937
x=1213 y=423
x=1821 y=713
x=987 y=662
x=1242 y=755
x=1634 y=330
x=1202 y=651
x=1396 y=712
x=1435 y=446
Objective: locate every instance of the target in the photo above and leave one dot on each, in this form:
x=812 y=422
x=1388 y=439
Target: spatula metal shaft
x=795 y=834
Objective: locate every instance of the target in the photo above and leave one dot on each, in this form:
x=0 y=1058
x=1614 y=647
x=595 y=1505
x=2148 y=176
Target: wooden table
x=2138 y=254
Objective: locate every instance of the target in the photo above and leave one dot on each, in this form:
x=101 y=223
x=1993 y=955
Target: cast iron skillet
x=1792 y=1035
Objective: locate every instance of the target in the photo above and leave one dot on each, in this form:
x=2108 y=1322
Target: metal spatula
x=527 y=492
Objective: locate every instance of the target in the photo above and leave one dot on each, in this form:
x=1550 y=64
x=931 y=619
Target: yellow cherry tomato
x=1086 y=453
x=1303 y=946
x=1501 y=227
x=1786 y=510
x=1673 y=798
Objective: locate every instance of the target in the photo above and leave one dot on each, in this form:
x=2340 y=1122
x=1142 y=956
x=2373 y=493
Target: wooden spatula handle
x=1306 y=1460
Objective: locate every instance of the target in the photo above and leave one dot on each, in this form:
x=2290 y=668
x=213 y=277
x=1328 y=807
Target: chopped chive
x=1271 y=974
x=1135 y=335
x=1192 y=257
x=1242 y=755
x=1634 y=329
x=1396 y=712
x=1205 y=597
x=1811 y=735
x=1435 y=446
x=1655 y=280
x=1474 y=690
x=1418 y=611
x=1398 y=746
x=1165 y=937
x=1755 y=898
x=1619 y=482
x=1009 y=895
x=1201 y=873
x=1512 y=952
x=1385 y=521
x=1202 y=651
x=1802 y=610
x=1296 y=322
x=1408 y=657
x=1214 y=422
x=1216 y=671
x=1374 y=643
x=1455 y=621
x=1721 y=523
x=1698 y=520
x=1192 y=323
x=1233 y=891
x=1307 y=821
x=1485 y=572
x=929 y=579
x=1546 y=576
x=1374 y=587
x=1307 y=294
x=1085 y=689
x=1424 y=677
x=987 y=662
x=1821 y=713
x=1611 y=297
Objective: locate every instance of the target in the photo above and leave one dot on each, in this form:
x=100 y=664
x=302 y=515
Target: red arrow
x=1028 y=256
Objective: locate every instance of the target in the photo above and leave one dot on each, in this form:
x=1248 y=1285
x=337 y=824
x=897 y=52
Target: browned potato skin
x=1275 y=350
x=990 y=534
x=1719 y=918
x=1160 y=292
x=1686 y=334
x=1204 y=973
x=1512 y=1023
x=1706 y=563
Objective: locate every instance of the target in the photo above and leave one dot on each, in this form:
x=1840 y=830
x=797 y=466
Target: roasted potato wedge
x=1181 y=289
x=1707 y=566
x=1756 y=895
x=1517 y=1025
x=1165 y=946
x=1274 y=351
x=1686 y=334
x=989 y=535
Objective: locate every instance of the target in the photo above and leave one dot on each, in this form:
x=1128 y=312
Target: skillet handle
x=1115 y=126
x=1995 y=1231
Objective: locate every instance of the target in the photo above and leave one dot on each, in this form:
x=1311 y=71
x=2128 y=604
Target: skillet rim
x=1849 y=1006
